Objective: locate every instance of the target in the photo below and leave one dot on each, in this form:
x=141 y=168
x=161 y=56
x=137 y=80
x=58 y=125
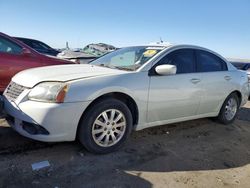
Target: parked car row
x=132 y=88
x=16 y=56
x=88 y=53
x=77 y=57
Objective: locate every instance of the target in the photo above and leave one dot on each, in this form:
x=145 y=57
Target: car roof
x=173 y=47
x=32 y=40
x=18 y=42
x=21 y=38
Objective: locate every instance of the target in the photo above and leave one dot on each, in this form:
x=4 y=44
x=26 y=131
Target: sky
x=220 y=25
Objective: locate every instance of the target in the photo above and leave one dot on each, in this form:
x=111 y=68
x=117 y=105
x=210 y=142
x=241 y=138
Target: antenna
x=67 y=45
x=161 y=41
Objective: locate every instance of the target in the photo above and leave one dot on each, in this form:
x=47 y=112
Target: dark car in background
x=16 y=56
x=39 y=46
x=243 y=65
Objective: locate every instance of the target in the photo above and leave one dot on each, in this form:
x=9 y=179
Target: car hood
x=31 y=77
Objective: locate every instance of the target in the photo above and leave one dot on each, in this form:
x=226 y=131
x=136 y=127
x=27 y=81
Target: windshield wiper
x=125 y=68
x=118 y=67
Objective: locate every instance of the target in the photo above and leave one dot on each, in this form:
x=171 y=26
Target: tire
x=224 y=115
x=97 y=131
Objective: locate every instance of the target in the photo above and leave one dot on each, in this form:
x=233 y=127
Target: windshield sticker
x=149 y=53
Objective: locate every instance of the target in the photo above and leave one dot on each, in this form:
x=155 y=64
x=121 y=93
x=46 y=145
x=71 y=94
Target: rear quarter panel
x=240 y=83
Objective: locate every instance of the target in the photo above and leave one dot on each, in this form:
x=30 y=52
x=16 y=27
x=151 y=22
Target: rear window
x=208 y=62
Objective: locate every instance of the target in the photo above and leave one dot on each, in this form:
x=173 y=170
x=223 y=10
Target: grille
x=13 y=91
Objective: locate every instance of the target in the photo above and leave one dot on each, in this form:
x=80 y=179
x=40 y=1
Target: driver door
x=175 y=96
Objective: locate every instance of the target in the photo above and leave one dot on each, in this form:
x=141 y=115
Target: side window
x=8 y=46
x=207 y=62
x=27 y=42
x=183 y=59
x=36 y=45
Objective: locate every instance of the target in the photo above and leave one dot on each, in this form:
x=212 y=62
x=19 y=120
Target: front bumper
x=59 y=120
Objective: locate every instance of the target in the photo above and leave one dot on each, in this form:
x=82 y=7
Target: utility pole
x=67 y=45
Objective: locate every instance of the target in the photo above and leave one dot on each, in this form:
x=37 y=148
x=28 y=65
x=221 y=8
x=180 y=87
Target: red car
x=16 y=56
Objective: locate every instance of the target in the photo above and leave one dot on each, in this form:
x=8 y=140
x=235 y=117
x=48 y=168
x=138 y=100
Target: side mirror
x=26 y=51
x=166 y=69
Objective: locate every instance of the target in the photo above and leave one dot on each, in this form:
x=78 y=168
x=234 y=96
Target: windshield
x=130 y=58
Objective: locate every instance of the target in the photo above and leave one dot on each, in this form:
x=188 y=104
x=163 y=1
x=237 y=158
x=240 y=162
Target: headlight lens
x=49 y=92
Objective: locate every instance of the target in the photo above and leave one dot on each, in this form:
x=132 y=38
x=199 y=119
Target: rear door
x=216 y=81
x=12 y=61
x=175 y=96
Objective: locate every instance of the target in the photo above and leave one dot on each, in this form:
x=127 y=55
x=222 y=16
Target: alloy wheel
x=108 y=128
x=231 y=109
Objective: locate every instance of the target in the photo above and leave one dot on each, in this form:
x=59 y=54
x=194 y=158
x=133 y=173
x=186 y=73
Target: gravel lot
x=200 y=153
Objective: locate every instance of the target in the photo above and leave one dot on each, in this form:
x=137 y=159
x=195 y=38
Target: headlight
x=49 y=92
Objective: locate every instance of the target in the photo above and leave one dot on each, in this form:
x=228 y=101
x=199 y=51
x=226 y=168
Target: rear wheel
x=229 y=109
x=105 y=126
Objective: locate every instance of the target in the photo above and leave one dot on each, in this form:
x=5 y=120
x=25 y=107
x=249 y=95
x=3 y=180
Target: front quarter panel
x=134 y=84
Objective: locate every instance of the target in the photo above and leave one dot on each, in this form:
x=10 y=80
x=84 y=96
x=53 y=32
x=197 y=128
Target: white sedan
x=130 y=89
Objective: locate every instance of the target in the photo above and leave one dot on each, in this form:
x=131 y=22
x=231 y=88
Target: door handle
x=227 y=78
x=195 y=80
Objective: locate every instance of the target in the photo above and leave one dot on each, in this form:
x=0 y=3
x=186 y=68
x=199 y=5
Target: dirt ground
x=200 y=153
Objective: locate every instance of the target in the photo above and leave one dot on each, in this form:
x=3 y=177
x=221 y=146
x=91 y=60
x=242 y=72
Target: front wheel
x=229 y=109
x=105 y=126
